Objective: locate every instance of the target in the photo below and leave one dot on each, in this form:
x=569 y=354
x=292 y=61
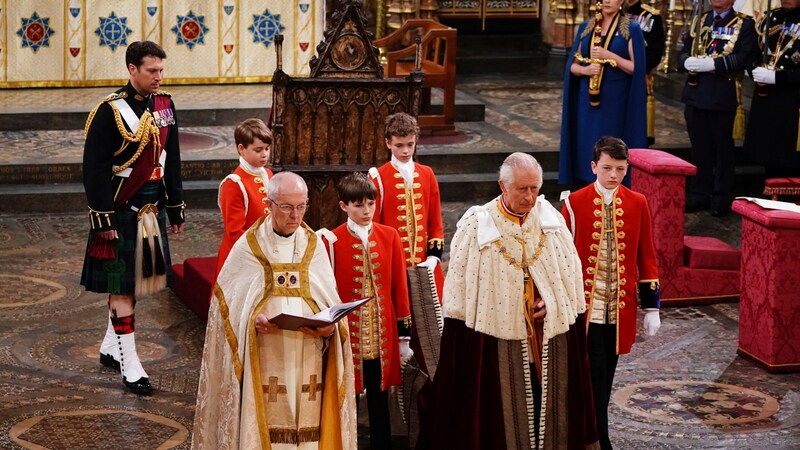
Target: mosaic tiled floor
x=683 y=389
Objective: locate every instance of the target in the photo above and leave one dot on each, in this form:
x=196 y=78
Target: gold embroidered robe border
x=232 y=402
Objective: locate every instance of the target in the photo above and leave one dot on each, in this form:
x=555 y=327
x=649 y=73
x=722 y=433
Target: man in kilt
x=131 y=174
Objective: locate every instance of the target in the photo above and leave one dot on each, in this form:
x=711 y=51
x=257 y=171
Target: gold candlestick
x=380 y=19
x=664 y=66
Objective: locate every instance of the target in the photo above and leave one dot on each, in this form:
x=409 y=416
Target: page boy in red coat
x=243 y=194
x=611 y=227
x=408 y=198
x=367 y=260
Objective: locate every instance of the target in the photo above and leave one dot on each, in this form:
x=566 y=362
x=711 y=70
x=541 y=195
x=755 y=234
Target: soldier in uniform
x=131 y=174
x=649 y=20
x=772 y=129
x=720 y=46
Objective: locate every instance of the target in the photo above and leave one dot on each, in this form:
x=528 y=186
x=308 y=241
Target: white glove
x=691 y=64
x=764 y=75
x=429 y=263
x=405 y=351
x=652 y=322
x=705 y=64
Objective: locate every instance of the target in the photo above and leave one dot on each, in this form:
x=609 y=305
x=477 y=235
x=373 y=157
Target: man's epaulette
x=651 y=10
x=109 y=98
x=114 y=96
x=160 y=92
x=742 y=16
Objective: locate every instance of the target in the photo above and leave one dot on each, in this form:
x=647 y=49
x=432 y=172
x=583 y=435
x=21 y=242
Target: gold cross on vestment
x=273 y=389
x=312 y=388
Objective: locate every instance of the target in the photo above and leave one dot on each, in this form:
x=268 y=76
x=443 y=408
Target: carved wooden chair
x=437 y=50
x=332 y=122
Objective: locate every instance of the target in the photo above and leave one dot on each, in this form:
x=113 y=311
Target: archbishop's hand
x=325 y=331
x=263 y=325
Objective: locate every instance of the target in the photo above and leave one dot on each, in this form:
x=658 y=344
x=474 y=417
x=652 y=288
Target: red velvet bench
x=769 y=309
x=692 y=269
x=192 y=282
x=782 y=186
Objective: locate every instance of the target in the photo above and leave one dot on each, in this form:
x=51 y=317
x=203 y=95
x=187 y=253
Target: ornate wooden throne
x=331 y=123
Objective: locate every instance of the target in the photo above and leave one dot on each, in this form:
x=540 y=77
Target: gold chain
x=519 y=265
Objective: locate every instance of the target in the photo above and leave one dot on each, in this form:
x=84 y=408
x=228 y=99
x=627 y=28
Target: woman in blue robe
x=622 y=110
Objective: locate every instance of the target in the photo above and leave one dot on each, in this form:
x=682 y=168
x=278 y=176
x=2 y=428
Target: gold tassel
x=738 y=122
x=651 y=108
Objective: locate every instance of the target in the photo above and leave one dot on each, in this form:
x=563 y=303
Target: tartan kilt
x=95 y=274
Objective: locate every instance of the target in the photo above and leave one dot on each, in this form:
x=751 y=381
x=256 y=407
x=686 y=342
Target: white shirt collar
x=406 y=169
x=257 y=170
x=362 y=231
x=608 y=194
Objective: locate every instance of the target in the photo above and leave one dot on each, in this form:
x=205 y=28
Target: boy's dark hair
x=250 y=129
x=401 y=125
x=356 y=187
x=138 y=50
x=614 y=147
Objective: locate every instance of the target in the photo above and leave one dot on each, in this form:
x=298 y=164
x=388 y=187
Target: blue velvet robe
x=622 y=112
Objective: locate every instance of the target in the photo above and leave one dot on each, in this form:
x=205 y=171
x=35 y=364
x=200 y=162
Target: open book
x=323 y=318
x=772 y=204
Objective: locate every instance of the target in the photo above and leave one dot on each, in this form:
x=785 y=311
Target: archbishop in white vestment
x=283 y=389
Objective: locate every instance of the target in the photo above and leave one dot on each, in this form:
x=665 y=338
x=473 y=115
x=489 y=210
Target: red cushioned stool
x=782 y=186
x=710 y=253
x=193 y=282
x=692 y=270
x=769 y=309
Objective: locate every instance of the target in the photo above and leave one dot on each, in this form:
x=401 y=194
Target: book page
x=772 y=204
x=287 y=321
x=336 y=312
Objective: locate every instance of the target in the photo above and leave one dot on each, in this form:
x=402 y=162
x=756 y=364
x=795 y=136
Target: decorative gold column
x=565 y=21
x=427 y=9
x=665 y=60
x=380 y=19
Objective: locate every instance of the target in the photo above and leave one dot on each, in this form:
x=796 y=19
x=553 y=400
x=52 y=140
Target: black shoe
x=109 y=361
x=141 y=386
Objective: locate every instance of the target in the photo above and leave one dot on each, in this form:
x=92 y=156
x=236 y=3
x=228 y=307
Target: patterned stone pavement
x=684 y=389
x=521 y=112
x=84 y=99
